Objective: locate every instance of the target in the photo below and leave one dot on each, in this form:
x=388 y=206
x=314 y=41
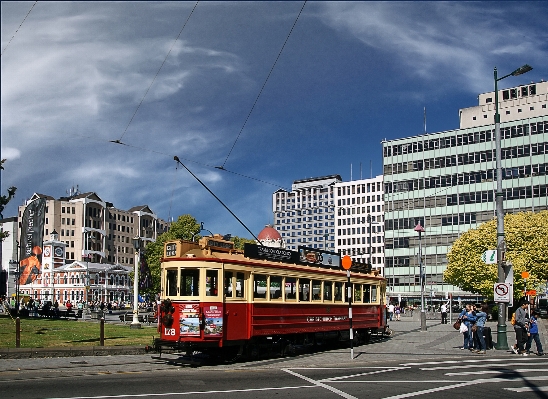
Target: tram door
x=236 y=307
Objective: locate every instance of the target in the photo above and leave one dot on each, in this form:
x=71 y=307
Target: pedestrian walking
x=444 y=314
x=391 y=311
x=533 y=334
x=521 y=327
x=398 y=311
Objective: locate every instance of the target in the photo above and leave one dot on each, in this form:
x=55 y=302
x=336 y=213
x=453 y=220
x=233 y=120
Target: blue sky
x=78 y=75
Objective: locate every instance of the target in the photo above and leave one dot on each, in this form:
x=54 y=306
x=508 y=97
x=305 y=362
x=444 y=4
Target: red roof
x=269 y=233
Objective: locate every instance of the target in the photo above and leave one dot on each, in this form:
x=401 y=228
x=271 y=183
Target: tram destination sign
x=268 y=253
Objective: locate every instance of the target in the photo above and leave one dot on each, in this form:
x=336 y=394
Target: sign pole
x=347 y=264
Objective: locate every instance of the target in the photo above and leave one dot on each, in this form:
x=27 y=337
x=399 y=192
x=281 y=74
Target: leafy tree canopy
x=185 y=228
x=526 y=236
x=4 y=199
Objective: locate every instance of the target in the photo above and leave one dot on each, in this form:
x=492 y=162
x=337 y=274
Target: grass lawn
x=46 y=333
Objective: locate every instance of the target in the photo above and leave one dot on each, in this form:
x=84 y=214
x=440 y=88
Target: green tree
x=526 y=236
x=239 y=242
x=185 y=228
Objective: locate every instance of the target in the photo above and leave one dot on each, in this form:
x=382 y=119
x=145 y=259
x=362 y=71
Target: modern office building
x=306 y=214
x=359 y=220
x=446 y=181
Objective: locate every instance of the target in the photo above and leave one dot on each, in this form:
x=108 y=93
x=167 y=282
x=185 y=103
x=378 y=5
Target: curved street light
x=502 y=340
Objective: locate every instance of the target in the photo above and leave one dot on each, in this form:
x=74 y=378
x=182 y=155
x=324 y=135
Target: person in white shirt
x=444 y=314
x=390 y=311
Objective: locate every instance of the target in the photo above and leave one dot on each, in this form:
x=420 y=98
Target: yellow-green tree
x=526 y=236
x=185 y=228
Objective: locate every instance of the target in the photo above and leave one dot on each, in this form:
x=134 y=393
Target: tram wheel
x=288 y=350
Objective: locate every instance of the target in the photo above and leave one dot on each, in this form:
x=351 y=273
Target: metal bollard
x=102 y=338
x=17 y=332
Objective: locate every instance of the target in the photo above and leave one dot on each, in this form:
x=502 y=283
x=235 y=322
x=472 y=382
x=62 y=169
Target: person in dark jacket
x=521 y=327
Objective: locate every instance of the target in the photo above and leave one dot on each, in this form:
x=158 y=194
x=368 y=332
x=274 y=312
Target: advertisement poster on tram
x=189 y=320
x=213 y=320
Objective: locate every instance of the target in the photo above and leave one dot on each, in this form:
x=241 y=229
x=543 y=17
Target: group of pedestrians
x=526 y=329
x=394 y=312
x=474 y=318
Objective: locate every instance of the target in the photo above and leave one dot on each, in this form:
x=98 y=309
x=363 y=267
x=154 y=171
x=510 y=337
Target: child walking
x=533 y=334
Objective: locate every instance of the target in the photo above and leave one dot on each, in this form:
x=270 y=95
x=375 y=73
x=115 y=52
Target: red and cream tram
x=220 y=300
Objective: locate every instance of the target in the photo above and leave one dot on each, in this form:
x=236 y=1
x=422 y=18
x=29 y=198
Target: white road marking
x=482 y=360
x=528 y=389
x=147 y=395
x=334 y=390
x=476 y=372
x=362 y=374
x=434 y=390
x=467 y=366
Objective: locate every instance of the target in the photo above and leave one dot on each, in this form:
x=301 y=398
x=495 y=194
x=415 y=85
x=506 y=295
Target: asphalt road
x=409 y=364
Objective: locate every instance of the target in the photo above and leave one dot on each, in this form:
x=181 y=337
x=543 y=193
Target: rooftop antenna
x=350 y=172
x=424 y=120
x=370 y=169
x=361 y=177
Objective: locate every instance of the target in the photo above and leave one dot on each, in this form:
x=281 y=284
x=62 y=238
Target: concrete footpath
x=407 y=342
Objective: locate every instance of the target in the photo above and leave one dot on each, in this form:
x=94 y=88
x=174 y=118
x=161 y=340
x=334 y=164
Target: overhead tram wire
x=222 y=167
x=159 y=69
x=176 y=158
x=17 y=30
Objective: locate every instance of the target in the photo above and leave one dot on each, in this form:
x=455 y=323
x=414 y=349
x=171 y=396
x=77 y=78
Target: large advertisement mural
x=32 y=240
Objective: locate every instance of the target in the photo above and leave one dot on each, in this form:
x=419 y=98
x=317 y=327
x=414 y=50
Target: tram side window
x=290 y=288
x=373 y=293
x=366 y=293
x=339 y=292
x=189 y=282
x=316 y=290
x=240 y=280
x=171 y=283
x=229 y=292
x=357 y=293
x=304 y=290
x=276 y=287
x=328 y=291
x=259 y=286
x=212 y=283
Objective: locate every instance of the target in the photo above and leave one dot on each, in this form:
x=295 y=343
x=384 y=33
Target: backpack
x=513 y=320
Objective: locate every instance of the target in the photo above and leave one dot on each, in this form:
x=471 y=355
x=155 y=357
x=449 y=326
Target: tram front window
x=171 y=283
x=212 y=283
x=229 y=292
x=190 y=282
x=240 y=285
x=366 y=293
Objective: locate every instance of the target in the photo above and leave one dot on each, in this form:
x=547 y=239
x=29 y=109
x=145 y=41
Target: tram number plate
x=169 y=331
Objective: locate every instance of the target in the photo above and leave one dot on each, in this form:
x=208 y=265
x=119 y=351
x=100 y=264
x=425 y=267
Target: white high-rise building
x=305 y=215
x=359 y=220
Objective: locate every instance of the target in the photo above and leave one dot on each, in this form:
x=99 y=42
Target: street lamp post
x=419 y=229
x=137 y=246
x=502 y=341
